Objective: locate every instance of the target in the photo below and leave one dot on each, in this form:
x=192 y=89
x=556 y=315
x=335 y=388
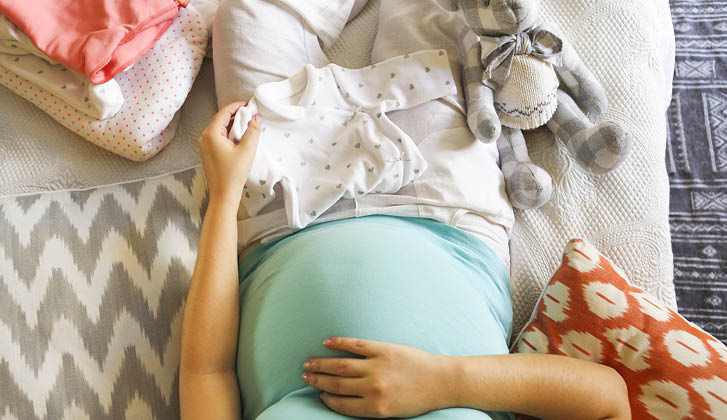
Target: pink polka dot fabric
x=154 y=89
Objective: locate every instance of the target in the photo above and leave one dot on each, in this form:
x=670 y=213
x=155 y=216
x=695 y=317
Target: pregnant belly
x=339 y=283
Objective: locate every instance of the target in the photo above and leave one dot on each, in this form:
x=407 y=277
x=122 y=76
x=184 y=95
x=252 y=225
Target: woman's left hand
x=393 y=381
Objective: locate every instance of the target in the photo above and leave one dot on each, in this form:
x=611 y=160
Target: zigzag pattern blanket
x=92 y=285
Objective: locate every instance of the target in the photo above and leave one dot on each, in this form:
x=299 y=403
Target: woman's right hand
x=226 y=164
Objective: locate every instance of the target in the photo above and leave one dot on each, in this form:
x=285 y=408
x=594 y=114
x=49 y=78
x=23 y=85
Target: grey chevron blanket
x=92 y=285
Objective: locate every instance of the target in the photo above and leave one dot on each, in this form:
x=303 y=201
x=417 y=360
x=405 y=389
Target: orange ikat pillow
x=588 y=310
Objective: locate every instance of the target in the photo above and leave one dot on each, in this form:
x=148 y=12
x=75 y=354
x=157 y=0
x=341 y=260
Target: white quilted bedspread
x=629 y=45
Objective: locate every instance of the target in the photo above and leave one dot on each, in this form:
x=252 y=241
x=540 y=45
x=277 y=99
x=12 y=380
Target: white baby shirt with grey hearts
x=325 y=133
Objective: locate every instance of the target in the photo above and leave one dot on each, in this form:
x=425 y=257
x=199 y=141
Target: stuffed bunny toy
x=520 y=76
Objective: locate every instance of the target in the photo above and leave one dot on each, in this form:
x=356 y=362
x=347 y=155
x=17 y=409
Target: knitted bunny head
x=497 y=17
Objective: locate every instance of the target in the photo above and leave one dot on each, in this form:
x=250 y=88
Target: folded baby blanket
x=97 y=38
x=20 y=56
x=153 y=90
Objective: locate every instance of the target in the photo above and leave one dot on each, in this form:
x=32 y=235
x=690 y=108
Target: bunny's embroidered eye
x=486 y=3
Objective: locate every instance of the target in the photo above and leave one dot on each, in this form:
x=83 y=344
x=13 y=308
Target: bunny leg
x=598 y=148
x=528 y=185
x=481 y=116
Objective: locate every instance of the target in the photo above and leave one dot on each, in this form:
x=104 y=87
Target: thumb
x=249 y=141
x=222 y=119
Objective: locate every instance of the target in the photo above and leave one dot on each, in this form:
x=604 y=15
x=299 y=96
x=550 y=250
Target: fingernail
x=327 y=342
x=306 y=377
x=306 y=365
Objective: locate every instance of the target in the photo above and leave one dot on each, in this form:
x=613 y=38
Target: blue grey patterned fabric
x=696 y=158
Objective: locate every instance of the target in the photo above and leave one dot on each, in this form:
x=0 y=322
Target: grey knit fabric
x=597 y=147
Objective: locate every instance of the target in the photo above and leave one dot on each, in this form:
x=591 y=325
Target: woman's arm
x=546 y=386
x=207 y=382
x=402 y=381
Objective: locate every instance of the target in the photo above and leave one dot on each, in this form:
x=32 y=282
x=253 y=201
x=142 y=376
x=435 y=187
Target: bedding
x=575 y=192
x=696 y=160
x=41 y=155
x=92 y=285
x=153 y=90
x=120 y=364
x=629 y=46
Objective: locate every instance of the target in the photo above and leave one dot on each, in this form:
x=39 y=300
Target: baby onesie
x=326 y=136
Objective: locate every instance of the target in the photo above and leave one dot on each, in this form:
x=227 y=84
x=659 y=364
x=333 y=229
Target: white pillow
x=629 y=46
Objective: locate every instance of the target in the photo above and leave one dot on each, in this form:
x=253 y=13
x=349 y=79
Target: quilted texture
x=92 y=285
x=630 y=48
x=154 y=89
x=673 y=369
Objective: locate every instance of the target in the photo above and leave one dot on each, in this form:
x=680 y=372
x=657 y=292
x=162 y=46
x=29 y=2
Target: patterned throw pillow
x=588 y=310
x=92 y=287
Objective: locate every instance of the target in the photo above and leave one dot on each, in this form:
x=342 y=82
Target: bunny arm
x=578 y=80
x=481 y=116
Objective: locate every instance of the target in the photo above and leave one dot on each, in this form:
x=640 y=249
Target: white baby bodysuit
x=326 y=136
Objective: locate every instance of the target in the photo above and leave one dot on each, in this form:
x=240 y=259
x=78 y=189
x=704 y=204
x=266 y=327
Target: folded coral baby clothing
x=19 y=55
x=97 y=38
x=154 y=89
x=326 y=135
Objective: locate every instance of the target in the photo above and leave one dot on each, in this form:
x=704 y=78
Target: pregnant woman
x=378 y=316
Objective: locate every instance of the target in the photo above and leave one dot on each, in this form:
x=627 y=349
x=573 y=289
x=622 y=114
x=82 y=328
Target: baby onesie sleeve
x=398 y=83
x=265 y=171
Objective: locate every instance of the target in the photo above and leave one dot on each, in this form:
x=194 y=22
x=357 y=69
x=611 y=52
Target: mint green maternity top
x=409 y=281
